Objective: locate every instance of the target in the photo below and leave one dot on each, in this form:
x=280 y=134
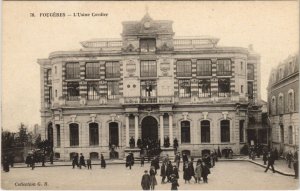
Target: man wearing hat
x=146 y=181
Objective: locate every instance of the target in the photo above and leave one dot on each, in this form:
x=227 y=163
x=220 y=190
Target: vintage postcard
x=140 y=95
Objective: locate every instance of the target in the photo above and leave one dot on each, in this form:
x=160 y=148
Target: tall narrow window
x=205 y=131
x=273 y=105
x=93 y=92
x=72 y=70
x=225 y=131
x=250 y=72
x=184 y=68
x=73 y=91
x=94 y=133
x=185 y=132
x=113 y=89
x=291 y=101
x=148 y=91
x=184 y=88
x=291 y=135
x=148 y=68
x=282 y=133
x=50 y=95
x=112 y=70
x=74 y=134
x=49 y=76
x=280 y=104
x=224 y=67
x=250 y=90
x=242 y=131
x=58 y=135
x=50 y=133
x=203 y=67
x=92 y=70
x=148 y=45
x=242 y=89
x=204 y=88
x=224 y=87
x=55 y=69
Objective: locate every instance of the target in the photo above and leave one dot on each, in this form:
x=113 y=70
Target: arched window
x=291 y=100
x=280 y=103
x=94 y=155
x=74 y=134
x=94 y=133
x=273 y=106
x=185 y=132
x=50 y=133
x=205 y=131
x=113 y=134
x=225 y=131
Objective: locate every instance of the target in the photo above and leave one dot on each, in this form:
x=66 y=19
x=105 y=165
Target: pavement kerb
x=123 y=162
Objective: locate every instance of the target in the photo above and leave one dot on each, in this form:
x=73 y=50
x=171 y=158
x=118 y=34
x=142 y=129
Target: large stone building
x=283 y=99
x=148 y=84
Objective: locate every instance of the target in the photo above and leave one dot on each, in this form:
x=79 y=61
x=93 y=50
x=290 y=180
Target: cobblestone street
x=226 y=175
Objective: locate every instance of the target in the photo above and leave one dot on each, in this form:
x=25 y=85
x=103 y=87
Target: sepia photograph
x=150 y=95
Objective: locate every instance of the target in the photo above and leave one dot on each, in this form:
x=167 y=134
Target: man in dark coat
x=184 y=159
x=81 y=161
x=128 y=161
x=205 y=172
x=289 y=158
x=169 y=171
x=51 y=158
x=103 y=163
x=145 y=183
x=271 y=160
x=296 y=164
x=139 y=143
x=28 y=160
x=163 y=173
x=132 y=142
x=265 y=157
x=5 y=164
x=175 y=144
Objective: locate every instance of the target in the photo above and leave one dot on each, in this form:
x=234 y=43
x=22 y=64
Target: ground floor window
x=94 y=133
x=74 y=134
x=242 y=131
x=185 y=132
x=290 y=135
x=205 y=131
x=225 y=131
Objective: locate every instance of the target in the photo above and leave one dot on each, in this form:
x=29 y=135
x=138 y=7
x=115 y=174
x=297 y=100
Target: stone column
x=161 y=128
x=127 y=130
x=171 y=128
x=136 y=128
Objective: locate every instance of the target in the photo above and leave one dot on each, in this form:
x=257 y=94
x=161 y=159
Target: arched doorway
x=113 y=134
x=150 y=128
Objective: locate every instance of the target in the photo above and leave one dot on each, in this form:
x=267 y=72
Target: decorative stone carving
x=113 y=116
x=205 y=115
x=129 y=48
x=165 y=47
x=165 y=68
x=185 y=115
x=73 y=118
x=93 y=116
x=130 y=67
x=225 y=114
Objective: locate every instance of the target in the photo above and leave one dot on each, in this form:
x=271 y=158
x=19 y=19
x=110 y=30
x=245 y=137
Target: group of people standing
x=80 y=161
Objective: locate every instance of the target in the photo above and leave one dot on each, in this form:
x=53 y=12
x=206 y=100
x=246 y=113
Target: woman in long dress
x=153 y=181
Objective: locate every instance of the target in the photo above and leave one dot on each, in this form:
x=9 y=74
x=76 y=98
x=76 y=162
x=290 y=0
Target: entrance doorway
x=113 y=134
x=150 y=128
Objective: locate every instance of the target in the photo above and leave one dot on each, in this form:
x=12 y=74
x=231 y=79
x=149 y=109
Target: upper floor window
x=49 y=76
x=291 y=68
x=225 y=131
x=184 y=88
x=93 y=91
x=74 y=134
x=273 y=106
x=224 y=67
x=250 y=72
x=148 y=88
x=280 y=104
x=291 y=100
x=148 y=68
x=250 y=90
x=73 y=91
x=290 y=134
x=55 y=69
x=204 y=88
x=72 y=70
x=224 y=87
x=148 y=45
x=112 y=69
x=185 y=132
x=280 y=73
x=205 y=131
x=112 y=89
x=203 y=67
x=92 y=70
x=184 y=68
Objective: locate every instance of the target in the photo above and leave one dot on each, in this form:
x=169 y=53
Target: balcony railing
x=149 y=100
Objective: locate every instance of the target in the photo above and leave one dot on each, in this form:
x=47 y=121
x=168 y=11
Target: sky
x=271 y=26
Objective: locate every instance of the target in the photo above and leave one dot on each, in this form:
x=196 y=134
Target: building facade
x=283 y=99
x=148 y=84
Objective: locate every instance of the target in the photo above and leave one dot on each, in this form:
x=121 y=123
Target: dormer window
x=148 y=45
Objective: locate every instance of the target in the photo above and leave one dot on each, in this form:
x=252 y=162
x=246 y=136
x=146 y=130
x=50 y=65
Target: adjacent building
x=148 y=84
x=283 y=100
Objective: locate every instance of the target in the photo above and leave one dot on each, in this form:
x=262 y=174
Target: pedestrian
x=5 y=164
x=289 y=158
x=212 y=159
x=184 y=160
x=153 y=181
x=177 y=160
x=81 y=161
x=89 y=163
x=28 y=160
x=271 y=159
x=103 y=163
x=74 y=161
x=174 y=185
x=186 y=173
x=230 y=153
x=296 y=164
x=128 y=161
x=192 y=170
x=205 y=172
x=198 y=171
x=145 y=183
x=32 y=162
x=163 y=173
x=51 y=158
x=265 y=157
x=175 y=171
x=169 y=171
x=142 y=161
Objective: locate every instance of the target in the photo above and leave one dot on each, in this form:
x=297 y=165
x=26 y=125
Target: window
x=148 y=45
x=58 y=135
x=280 y=104
x=148 y=91
x=112 y=69
x=242 y=131
x=250 y=72
x=204 y=88
x=94 y=134
x=55 y=69
x=55 y=93
x=49 y=76
x=148 y=68
x=290 y=135
x=184 y=88
x=74 y=134
x=281 y=133
x=224 y=67
x=50 y=133
x=273 y=106
x=224 y=87
x=241 y=66
x=291 y=67
x=242 y=89
x=93 y=90
x=92 y=70
x=112 y=89
x=184 y=68
x=185 y=132
x=50 y=95
x=73 y=91
x=203 y=67
x=250 y=90
x=72 y=71
x=291 y=101
x=280 y=73
x=205 y=131
x=225 y=131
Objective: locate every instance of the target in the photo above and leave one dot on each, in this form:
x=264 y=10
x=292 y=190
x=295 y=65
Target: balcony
x=148 y=100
